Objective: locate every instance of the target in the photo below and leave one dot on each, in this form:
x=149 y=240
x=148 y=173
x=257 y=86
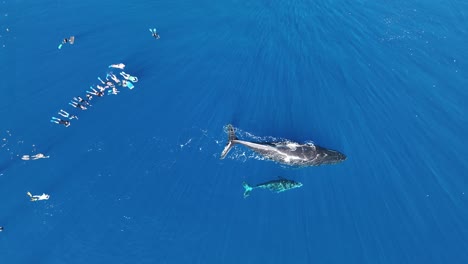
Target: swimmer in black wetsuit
x=154 y=33
x=59 y=121
x=96 y=93
x=70 y=40
x=81 y=100
x=67 y=115
x=77 y=105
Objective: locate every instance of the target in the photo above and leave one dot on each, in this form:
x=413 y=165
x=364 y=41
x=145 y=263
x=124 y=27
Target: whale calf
x=277 y=186
x=288 y=153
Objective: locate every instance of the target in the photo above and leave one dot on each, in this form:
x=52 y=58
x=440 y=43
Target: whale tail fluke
x=231 y=137
x=247 y=189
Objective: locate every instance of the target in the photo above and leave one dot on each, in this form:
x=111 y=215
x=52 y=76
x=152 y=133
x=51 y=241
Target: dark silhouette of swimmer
x=59 y=121
x=64 y=122
x=154 y=33
x=77 y=105
x=70 y=40
x=81 y=100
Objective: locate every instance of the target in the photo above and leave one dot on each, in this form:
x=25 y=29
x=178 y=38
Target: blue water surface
x=138 y=179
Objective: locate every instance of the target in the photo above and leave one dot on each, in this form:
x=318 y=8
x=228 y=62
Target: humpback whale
x=288 y=153
x=277 y=186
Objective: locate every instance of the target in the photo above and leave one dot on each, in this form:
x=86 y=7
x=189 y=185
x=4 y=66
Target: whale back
x=286 y=152
x=295 y=154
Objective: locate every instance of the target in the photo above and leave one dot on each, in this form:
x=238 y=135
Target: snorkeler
x=113 y=91
x=34 y=157
x=117 y=66
x=67 y=115
x=113 y=77
x=154 y=33
x=59 y=121
x=81 y=100
x=95 y=92
x=128 y=77
x=107 y=83
x=1 y=228
x=101 y=89
x=70 y=40
x=127 y=84
x=35 y=198
x=77 y=105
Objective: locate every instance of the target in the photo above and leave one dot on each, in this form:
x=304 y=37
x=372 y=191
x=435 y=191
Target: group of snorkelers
x=109 y=86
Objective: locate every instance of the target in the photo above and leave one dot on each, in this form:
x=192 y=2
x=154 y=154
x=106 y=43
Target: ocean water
x=138 y=179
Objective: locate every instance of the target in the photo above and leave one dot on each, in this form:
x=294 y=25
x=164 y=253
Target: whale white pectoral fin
x=226 y=149
x=231 y=137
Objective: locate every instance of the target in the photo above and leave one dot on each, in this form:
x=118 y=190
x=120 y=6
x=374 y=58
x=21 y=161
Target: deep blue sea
x=138 y=178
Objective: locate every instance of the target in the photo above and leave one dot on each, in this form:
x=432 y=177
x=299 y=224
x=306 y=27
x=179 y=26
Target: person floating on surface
x=67 y=115
x=113 y=77
x=128 y=77
x=107 y=84
x=127 y=84
x=81 y=101
x=35 y=198
x=1 y=228
x=117 y=66
x=34 y=157
x=70 y=40
x=59 y=121
x=154 y=33
x=113 y=91
x=101 y=89
x=77 y=105
x=99 y=93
